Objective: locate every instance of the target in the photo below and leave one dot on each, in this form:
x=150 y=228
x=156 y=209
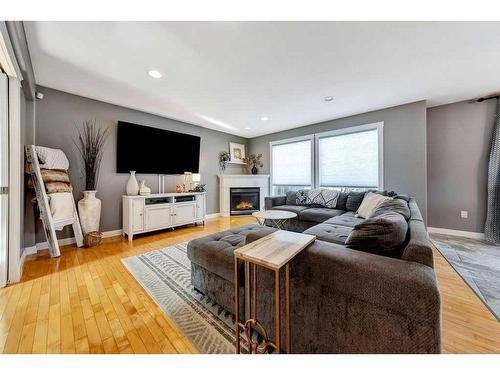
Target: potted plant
x=90 y=143
x=254 y=161
x=224 y=157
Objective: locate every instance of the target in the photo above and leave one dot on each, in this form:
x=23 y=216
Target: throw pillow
x=322 y=198
x=393 y=205
x=342 y=201
x=354 y=200
x=291 y=198
x=369 y=203
x=383 y=234
x=301 y=198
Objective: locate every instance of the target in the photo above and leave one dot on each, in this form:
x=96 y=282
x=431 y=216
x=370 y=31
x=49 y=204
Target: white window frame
x=287 y=141
x=379 y=126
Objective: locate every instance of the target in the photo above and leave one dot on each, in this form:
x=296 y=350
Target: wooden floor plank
x=87 y=301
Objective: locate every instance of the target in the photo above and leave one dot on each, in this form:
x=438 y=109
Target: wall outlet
x=464 y=214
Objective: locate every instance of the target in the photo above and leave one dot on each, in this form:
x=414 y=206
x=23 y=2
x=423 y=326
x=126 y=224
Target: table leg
x=287 y=301
x=236 y=306
x=247 y=290
x=277 y=318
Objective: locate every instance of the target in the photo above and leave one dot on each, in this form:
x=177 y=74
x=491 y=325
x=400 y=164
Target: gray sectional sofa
x=344 y=300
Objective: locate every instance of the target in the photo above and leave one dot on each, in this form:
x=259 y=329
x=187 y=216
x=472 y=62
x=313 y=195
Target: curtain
x=492 y=227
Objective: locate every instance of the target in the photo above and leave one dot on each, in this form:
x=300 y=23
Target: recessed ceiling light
x=247 y=128
x=264 y=118
x=328 y=98
x=155 y=73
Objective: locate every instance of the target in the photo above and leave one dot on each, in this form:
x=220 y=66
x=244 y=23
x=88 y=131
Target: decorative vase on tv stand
x=132 y=184
x=143 y=189
x=90 y=211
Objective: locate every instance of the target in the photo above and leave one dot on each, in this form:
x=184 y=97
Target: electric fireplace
x=244 y=200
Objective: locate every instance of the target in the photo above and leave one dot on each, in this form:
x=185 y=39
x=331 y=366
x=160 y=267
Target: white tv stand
x=146 y=213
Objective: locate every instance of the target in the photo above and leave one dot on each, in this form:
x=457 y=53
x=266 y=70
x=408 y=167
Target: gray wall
x=404 y=145
x=458 y=143
x=58 y=114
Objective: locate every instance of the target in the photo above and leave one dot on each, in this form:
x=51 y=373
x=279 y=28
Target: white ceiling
x=227 y=75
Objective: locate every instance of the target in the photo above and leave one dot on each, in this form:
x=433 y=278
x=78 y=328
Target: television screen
x=156 y=151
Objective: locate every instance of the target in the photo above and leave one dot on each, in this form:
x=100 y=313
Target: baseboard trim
x=71 y=240
x=212 y=216
x=460 y=233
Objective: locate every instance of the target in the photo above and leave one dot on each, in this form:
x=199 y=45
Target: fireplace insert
x=244 y=200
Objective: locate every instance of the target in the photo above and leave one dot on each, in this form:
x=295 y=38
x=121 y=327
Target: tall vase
x=132 y=184
x=89 y=209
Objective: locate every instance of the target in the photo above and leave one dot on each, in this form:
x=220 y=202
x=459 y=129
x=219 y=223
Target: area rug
x=166 y=276
x=477 y=262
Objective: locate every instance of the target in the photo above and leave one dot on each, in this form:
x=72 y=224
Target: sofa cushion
x=318 y=215
x=291 y=198
x=215 y=252
x=383 y=234
x=354 y=200
x=369 y=203
x=330 y=233
x=347 y=219
x=393 y=205
x=291 y=208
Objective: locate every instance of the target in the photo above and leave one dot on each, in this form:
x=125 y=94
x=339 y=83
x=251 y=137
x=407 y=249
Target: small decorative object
x=237 y=152
x=178 y=189
x=188 y=178
x=195 y=178
x=200 y=188
x=92 y=239
x=254 y=161
x=224 y=157
x=132 y=184
x=90 y=143
x=90 y=211
x=143 y=189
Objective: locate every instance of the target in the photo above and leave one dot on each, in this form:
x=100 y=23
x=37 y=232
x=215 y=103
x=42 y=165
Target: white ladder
x=49 y=224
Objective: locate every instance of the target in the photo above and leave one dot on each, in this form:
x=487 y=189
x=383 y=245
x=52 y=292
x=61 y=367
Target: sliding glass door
x=4 y=178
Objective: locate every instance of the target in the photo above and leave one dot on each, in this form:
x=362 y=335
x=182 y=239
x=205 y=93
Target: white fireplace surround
x=228 y=181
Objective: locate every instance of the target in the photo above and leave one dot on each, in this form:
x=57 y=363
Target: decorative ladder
x=49 y=224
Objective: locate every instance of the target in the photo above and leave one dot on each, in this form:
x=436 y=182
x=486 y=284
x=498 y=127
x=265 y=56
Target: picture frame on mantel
x=237 y=153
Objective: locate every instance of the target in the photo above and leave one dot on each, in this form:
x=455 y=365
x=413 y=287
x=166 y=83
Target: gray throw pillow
x=384 y=234
x=342 y=201
x=394 y=205
x=291 y=198
x=322 y=198
x=354 y=200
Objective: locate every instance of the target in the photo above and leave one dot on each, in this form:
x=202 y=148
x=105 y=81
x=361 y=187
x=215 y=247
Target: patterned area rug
x=166 y=275
x=477 y=262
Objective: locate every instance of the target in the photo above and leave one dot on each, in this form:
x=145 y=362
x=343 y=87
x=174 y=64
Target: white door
x=4 y=178
x=158 y=217
x=185 y=213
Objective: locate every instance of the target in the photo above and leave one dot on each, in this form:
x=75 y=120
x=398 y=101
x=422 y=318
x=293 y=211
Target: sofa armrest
x=278 y=200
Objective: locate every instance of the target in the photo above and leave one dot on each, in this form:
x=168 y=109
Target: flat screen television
x=155 y=151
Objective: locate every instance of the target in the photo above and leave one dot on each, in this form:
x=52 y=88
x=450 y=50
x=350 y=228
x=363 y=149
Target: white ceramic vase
x=89 y=209
x=143 y=189
x=132 y=185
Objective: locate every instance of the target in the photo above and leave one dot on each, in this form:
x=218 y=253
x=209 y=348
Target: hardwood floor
x=87 y=302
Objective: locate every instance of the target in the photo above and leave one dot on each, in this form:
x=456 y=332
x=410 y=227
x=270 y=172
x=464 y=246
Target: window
x=350 y=158
x=346 y=159
x=291 y=164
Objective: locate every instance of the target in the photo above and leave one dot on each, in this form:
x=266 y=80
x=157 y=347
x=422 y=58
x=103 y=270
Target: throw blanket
x=56 y=181
x=51 y=158
x=318 y=197
x=61 y=206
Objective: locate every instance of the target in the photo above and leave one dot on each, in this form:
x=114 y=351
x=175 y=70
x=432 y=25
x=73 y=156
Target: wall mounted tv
x=155 y=151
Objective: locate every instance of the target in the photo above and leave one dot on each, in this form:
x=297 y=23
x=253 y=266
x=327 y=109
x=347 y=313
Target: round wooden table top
x=274 y=215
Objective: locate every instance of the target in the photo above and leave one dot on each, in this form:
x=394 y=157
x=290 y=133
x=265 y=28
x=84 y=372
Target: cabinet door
x=200 y=207
x=137 y=215
x=158 y=217
x=185 y=213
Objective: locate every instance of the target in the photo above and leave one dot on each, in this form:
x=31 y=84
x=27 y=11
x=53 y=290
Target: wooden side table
x=273 y=252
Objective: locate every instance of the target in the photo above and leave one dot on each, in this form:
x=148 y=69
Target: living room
x=263 y=187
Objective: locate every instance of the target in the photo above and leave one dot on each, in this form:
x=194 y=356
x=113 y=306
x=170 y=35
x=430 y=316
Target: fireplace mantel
x=227 y=181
